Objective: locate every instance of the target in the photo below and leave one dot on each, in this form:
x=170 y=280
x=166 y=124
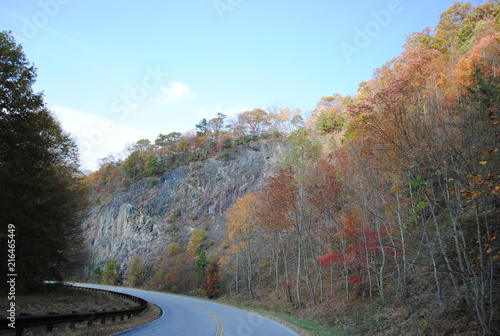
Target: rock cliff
x=151 y=214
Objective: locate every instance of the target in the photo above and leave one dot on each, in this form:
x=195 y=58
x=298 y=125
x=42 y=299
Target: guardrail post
x=50 y=326
x=72 y=324
x=91 y=320
x=103 y=319
x=113 y=318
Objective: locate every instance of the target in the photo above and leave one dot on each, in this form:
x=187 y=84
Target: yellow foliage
x=197 y=238
x=242 y=219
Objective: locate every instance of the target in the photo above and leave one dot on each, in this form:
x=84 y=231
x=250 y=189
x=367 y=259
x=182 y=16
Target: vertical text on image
x=11 y=274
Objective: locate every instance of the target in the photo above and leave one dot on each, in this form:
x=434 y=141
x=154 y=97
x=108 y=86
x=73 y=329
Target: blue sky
x=115 y=72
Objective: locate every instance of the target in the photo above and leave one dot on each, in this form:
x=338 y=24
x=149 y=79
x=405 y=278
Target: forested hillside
x=382 y=216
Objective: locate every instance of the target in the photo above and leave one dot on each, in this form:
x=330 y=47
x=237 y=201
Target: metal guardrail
x=26 y=321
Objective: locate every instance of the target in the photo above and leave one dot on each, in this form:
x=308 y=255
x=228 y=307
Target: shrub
x=137 y=273
x=96 y=275
x=111 y=273
x=173 y=249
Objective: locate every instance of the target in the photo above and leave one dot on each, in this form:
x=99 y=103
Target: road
x=184 y=316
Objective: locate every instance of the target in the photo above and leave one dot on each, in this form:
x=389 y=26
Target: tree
x=137 y=272
x=284 y=120
x=213 y=282
x=328 y=122
x=242 y=230
x=39 y=175
x=195 y=241
x=166 y=140
x=111 y=273
x=256 y=121
x=216 y=125
x=329 y=113
x=141 y=145
x=202 y=127
x=201 y=264
x=96 y=275
x=451 y=23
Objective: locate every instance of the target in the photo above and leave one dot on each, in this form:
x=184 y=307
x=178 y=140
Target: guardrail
x=26 y=321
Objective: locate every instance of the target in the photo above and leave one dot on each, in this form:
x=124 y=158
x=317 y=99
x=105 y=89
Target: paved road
x=183 y=316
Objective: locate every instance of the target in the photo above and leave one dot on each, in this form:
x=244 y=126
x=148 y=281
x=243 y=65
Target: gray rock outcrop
x=151 y=214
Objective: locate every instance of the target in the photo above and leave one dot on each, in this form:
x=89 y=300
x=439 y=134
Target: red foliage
x=353 y=279
x=279 y=200
x=288 y=284
x=360 y=244
x=223 y=142
x=331 y=257
x=324 y=191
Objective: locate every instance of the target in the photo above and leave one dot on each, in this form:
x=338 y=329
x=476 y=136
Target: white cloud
x=96 y=136
x=175 y=93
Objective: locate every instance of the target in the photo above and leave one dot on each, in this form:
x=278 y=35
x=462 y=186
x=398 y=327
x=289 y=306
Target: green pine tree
x=39 y=176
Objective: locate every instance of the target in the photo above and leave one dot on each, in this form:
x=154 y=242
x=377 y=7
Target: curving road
x=192 y=317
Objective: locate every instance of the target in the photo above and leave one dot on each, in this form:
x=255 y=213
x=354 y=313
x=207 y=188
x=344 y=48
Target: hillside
x=378 y=215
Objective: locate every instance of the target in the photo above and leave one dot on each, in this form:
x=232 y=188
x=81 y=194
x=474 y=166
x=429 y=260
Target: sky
x=115 y=72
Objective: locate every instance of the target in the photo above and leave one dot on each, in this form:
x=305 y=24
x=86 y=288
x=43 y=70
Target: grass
x=302 y=326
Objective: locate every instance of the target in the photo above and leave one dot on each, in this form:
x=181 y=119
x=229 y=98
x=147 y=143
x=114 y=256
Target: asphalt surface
x=184 y=316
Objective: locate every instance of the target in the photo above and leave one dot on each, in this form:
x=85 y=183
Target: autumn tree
x=213 y=281
x=242 y=224
x=450 y=24
x=195 y=241
x=284 y=120
x=419 y=160
x=255 y=121
x=216 y=126
x=330 y=113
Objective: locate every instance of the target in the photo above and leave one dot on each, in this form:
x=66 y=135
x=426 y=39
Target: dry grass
x=65 y=300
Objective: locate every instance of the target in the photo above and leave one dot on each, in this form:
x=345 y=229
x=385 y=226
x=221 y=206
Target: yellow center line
x=219 y=331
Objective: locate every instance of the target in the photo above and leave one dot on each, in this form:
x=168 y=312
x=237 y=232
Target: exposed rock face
x=144 y=219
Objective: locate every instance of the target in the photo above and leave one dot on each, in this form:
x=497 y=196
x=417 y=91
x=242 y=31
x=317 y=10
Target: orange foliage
x=279 y=200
